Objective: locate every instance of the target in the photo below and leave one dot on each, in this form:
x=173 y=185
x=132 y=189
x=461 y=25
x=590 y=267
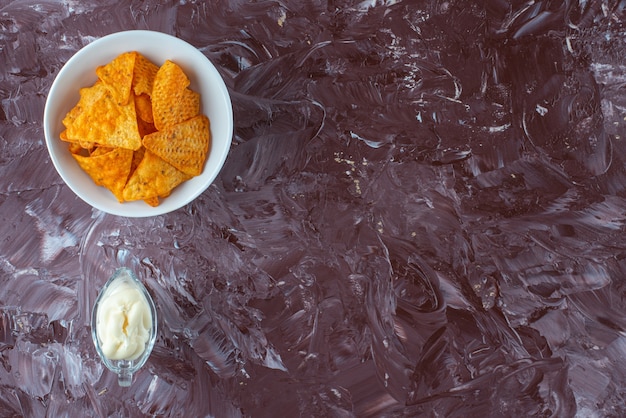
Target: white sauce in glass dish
x=124 y=325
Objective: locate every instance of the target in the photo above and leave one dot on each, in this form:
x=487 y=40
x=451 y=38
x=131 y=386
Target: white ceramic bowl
x=80 y=71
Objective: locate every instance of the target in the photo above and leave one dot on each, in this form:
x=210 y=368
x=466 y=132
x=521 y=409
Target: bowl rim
x=131 y=40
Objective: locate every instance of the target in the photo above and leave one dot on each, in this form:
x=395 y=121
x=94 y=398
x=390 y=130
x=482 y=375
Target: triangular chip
x=145 y=128
x=189 y=105
x=143 y=107
x=99 y=119
x=88 y=145
x=172 y=101
x=75 y=148
x=184 y=145
x=117 y=75
x=133 y=100
x=137 y=157
x=76 y=111
x=152 y=201
x=152 y=178
x=109 y=170
x=143 y=77
x=63 y=137
x=100 y=150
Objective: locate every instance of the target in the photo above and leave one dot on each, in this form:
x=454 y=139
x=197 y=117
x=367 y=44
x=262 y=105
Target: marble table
x=422 y=214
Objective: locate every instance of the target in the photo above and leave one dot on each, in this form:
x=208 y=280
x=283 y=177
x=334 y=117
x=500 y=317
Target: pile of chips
x=138 y=130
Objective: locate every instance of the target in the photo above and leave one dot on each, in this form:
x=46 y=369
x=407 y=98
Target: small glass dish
x=124 y=280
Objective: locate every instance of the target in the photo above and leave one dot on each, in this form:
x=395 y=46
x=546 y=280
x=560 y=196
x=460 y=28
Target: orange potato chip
x=100 y=150
x=143 y=107
x=71 y=116
x=89 y=146
x=152 y=178
x=184 y=145
x=152 y=201
x=143 y=77
x=189 y=105
x=117 y=75
x=137 y=157
x=138 y=130
x=99 y=119
x=75 y=148
x=63 y=136
x=110 y=169
x=145 y=128
x=172 y=101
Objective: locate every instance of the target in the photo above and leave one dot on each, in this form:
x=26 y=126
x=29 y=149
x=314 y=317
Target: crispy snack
x=144 y=73
x=137 y=157
x=145 y=128
x=108 y=169
x=100 y=150
x=117 y=75
x=189 y=105
x=172 y=101
x=99 y=119
x=152 y=178
x=138 y=130
x=75 y=112
x=184 y=145
x=152 y=201
x=75 y=148
x=143 y=107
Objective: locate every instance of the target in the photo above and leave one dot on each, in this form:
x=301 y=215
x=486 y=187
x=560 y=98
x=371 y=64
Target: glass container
x=123 y=367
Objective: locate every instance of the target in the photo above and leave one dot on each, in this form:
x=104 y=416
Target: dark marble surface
x=422 y=214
